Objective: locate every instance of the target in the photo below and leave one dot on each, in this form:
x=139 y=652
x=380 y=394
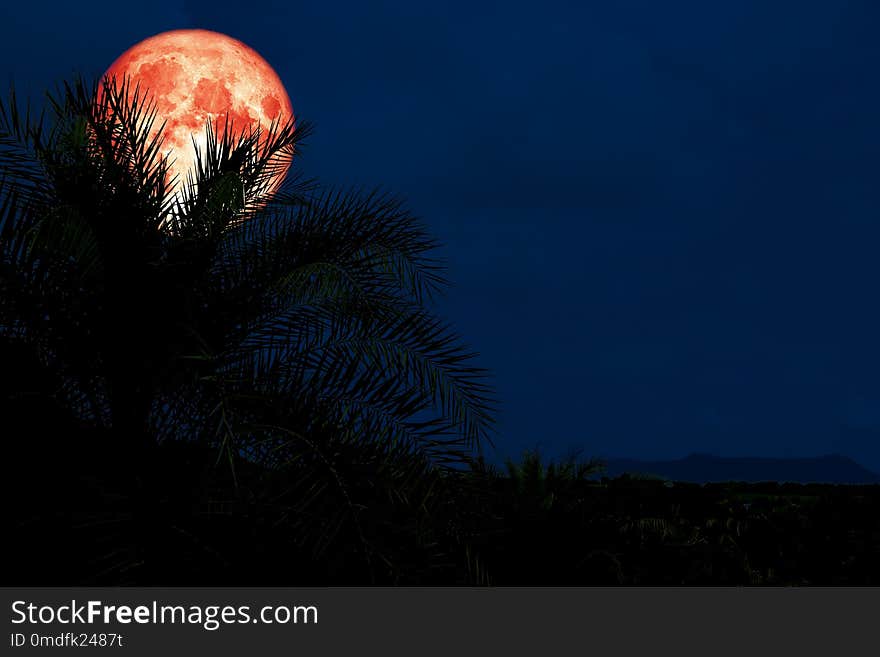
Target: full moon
x=196 y=75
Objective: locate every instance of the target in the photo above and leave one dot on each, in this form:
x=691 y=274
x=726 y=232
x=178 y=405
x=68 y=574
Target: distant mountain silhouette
x=703 y=468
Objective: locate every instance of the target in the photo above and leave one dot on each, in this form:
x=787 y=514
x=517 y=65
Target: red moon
x=196 y=75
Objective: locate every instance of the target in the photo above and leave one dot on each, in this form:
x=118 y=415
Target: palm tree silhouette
x=285 y=333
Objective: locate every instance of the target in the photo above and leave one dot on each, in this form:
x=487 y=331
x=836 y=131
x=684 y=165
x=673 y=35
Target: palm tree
x=285 y=333
x=537 y=488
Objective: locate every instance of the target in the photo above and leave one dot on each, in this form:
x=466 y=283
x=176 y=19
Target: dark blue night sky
x=661 y=219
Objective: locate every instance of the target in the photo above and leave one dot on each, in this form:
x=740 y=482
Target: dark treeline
x=546 y=525
x=531 y=524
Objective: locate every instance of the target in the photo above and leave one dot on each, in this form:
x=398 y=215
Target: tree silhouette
x=283 y=334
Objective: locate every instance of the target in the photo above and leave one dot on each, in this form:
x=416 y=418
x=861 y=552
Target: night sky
x=661 y=219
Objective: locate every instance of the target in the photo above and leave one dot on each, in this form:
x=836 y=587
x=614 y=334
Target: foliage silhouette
x=234 y=382
x=532 y=528
x=539 y=486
